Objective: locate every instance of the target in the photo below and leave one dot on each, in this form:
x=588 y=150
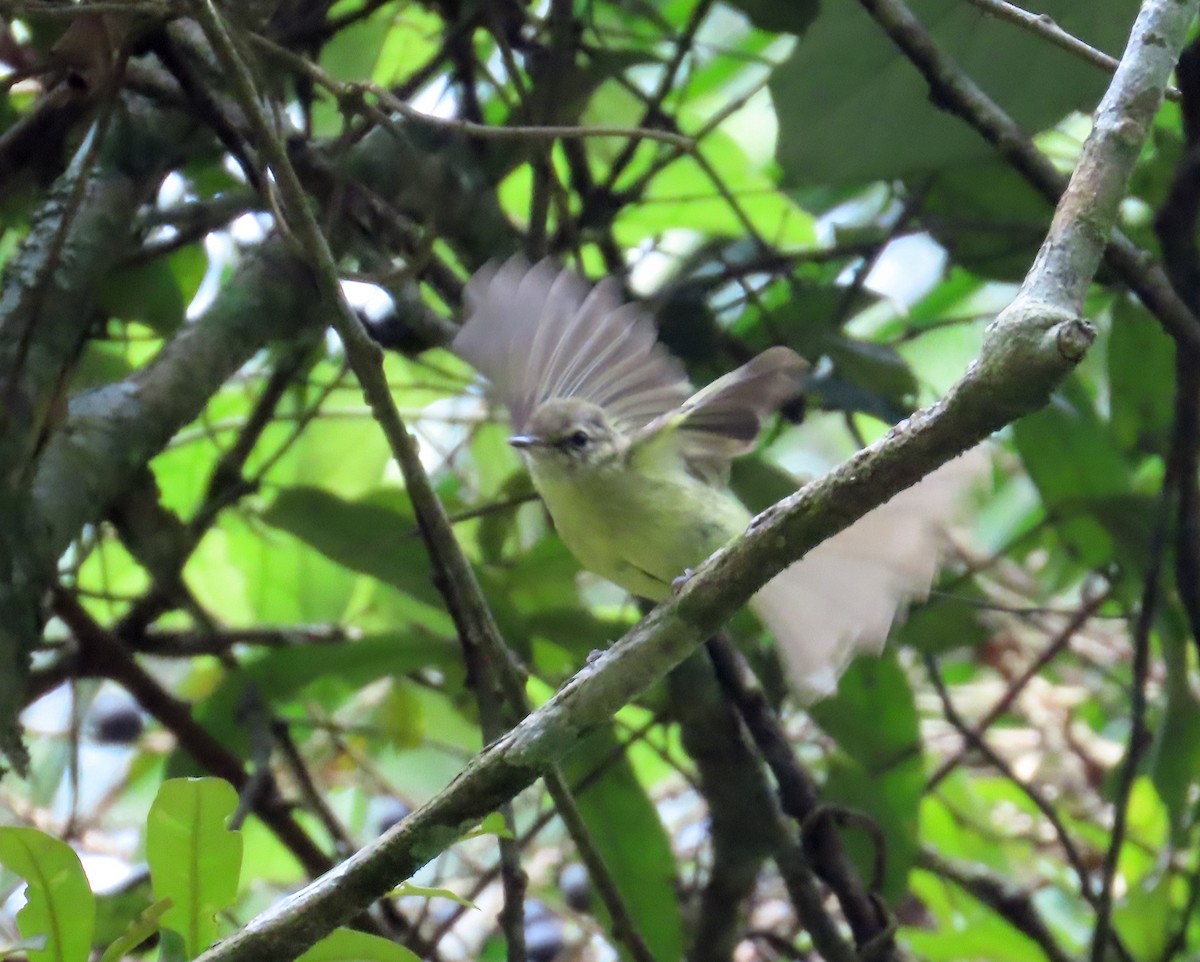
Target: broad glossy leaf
x=891 y=800
x=853 y=108
x=878 y=369
x=195 y=860
x=1175 y=757
x=1085 y=481
x=283 y=580
x=344 y=456
x=351 y=55
x=58 y=900
x=873 y=716
x=946 y=622
x=963 y=928
x=1143 y=918
x=410 y=40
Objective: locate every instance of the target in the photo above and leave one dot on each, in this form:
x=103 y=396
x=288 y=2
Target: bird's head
x=568 y=435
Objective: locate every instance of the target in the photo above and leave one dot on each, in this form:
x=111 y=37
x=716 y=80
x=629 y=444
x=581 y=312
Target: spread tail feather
x=842 y=598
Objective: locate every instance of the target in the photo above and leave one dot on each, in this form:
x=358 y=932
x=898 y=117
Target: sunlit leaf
x=59 y=905
x=195 y=860
x=350 y=945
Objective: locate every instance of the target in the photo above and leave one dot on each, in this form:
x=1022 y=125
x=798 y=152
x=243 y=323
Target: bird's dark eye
x=579 y=439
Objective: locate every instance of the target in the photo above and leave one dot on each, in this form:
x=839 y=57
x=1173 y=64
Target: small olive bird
x=632 y=463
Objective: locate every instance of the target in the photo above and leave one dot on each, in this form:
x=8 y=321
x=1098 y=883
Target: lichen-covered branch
x=46 y=298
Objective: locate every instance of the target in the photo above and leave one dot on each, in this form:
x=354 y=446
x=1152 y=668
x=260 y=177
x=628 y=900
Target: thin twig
x=1057 y=644
x=1139 y=734
x=979 y=744
x=353 y=95
x=1045 y=27
x=798 y=793
x=105 y=657
x=1014 y=905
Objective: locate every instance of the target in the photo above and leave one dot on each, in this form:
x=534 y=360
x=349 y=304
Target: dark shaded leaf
x=781 y=16
x=853 y=108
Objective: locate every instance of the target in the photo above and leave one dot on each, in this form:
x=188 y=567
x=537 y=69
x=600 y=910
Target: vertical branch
x=1175 y=226
x=799 y=795
x=1139 y=735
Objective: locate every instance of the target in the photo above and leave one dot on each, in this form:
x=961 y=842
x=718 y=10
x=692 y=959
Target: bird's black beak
x=523 y=441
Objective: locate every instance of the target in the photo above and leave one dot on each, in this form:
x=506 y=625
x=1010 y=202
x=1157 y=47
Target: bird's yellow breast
x=638 y=529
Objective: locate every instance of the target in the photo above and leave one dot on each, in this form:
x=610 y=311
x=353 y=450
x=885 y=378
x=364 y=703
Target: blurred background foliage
x=258 y=600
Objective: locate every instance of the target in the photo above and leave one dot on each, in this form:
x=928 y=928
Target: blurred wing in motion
x=843 y=596
x=541 y=332
x=722 y=421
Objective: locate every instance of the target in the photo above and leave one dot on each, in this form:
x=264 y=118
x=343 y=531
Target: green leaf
x=1084 y=480
x=879 y=368
x=890 y=798
x=349 y=945
x=195 y=860
x=421 y=891
x=368 y=535
x=102 y=362
x=963 y=928
x=58 y=900
x=946 y=622
x=1143 y=918
x=1175 y=757
x=1141 y=362
x=684 y=195
x=853 y=108
x=1068 y=451
x=628 y=834
x=140 y=929
x=873 y=716
x=345 y=458
x=282 y=579
x=492 y=824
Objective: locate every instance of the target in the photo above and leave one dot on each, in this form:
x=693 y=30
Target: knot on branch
x=1033 y=335
x=1073 y=338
